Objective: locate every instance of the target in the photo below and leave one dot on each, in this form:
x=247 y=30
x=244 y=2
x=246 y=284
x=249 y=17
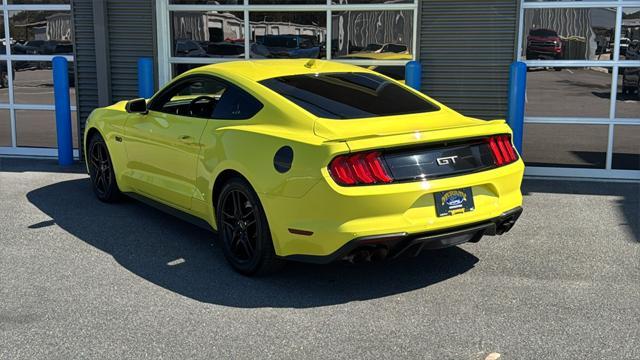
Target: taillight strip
x=359 y=169
x=495 y=151
x=502 y=149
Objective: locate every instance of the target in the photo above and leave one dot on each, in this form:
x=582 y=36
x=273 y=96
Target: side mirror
x=137 y=106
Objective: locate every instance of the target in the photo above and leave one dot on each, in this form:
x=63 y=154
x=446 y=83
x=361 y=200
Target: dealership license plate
x=454 y=201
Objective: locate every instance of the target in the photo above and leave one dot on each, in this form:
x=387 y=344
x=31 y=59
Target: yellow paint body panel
x=150 y=158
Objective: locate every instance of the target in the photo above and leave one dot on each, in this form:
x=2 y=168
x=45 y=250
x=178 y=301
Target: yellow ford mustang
x=308 y=160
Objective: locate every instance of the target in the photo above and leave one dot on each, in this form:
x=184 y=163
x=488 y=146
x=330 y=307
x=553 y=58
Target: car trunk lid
x=421 y=146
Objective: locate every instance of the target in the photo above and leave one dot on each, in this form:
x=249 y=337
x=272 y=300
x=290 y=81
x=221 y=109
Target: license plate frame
x=452 y=202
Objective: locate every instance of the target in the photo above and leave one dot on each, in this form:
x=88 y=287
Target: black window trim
x=203 y=77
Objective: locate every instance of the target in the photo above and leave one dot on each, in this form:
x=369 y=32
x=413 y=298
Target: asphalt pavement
x=83 y=279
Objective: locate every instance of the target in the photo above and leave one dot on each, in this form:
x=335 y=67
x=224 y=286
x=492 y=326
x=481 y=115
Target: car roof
x=258 y=70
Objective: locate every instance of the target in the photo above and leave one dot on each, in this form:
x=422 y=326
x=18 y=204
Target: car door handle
x=186 y=139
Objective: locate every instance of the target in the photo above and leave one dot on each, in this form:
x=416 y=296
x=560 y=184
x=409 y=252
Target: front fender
x=110 y=123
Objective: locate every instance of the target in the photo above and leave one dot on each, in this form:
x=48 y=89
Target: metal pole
x=63 y=110
x=517 y=92
x=413 y=74
x=145 y=77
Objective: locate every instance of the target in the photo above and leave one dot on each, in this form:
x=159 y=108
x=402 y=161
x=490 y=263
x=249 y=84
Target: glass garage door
x=33 y=32
x=583 y=88
x=378 y=34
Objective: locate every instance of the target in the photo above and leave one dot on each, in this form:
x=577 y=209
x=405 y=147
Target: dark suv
x=544 y=44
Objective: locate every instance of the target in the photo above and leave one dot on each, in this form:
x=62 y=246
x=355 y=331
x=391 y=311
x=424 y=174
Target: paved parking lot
x=82 y=279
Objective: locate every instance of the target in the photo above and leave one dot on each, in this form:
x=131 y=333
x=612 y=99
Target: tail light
x=502 y=150
x=370 y=167
x=359 y=169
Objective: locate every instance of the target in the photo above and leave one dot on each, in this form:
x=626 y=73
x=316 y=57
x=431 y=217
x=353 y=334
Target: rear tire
x=243 y=230
x=103 y=178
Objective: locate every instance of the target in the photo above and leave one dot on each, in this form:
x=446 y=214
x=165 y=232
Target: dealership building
x=582 y=115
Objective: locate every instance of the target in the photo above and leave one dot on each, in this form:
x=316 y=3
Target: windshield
x=349 y=95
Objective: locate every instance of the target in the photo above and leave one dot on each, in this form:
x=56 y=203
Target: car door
x=163 y=145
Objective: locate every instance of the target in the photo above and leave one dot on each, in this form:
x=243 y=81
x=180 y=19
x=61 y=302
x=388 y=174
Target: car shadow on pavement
x=629 y=204
x=185 y=259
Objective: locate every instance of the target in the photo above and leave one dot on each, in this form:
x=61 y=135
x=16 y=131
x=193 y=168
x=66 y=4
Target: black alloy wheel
x=239 y=225
x=243 y=230
x=101 y=171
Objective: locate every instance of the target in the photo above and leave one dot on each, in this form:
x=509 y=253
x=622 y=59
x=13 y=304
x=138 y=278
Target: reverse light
x=359 y=169
x=502 y=150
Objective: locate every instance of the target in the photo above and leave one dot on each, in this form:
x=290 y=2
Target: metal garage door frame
x=11 y=106
x=608 y=172
x=163 y=9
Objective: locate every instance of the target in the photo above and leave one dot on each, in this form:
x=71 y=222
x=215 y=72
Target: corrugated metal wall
x=466 y=47
x=131 y=36
x=85 y=61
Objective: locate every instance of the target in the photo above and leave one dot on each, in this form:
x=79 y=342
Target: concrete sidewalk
x=82 y=279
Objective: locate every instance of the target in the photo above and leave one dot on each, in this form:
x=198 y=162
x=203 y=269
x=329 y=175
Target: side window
x=236 y=104
x=197 y=97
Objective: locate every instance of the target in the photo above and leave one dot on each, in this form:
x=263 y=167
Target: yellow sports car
x=308 y=160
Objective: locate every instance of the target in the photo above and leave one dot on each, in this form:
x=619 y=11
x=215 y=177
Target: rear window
x=348 y=95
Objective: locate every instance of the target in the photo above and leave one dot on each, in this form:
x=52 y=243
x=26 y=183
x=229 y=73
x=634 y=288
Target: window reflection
x=180 y=68
x=569 y=34
x=628 y=101
x=374 y=35
x=39 y=2
x=626 y=147
x=33 y=82
x=4 y=82
x=34 y=128
x=5 y=128
x=288 y=35
x=568 y=92
x=562 y=145
x=344 y=2
x=394 y=72
x=40 y=32
x=207 y=2
x=287 y=2
x=207 y=34
x=630 y=34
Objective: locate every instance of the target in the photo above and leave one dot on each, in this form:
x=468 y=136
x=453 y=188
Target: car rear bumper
x=392 y=246
x=328 y=216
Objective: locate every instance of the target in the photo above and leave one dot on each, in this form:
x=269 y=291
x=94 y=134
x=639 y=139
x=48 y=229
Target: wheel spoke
x=236 y=204
x=235 y=242
x=100 y=183
x=226 y=214
x=249 y=245
x=228 y=224
x=245 y=247
x=94 y=159
x=246 y=216
x=103 y=153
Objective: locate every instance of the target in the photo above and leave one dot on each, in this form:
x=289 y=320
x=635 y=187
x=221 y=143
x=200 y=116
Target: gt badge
x=446 y=160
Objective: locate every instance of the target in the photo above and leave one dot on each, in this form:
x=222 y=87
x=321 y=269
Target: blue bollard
x=145 y=77
x=413 y=75
x=517 y=92
x=63 y=110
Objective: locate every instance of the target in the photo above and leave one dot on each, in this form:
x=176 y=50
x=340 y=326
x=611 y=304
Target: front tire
x=243 y=230
x=103 y=178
